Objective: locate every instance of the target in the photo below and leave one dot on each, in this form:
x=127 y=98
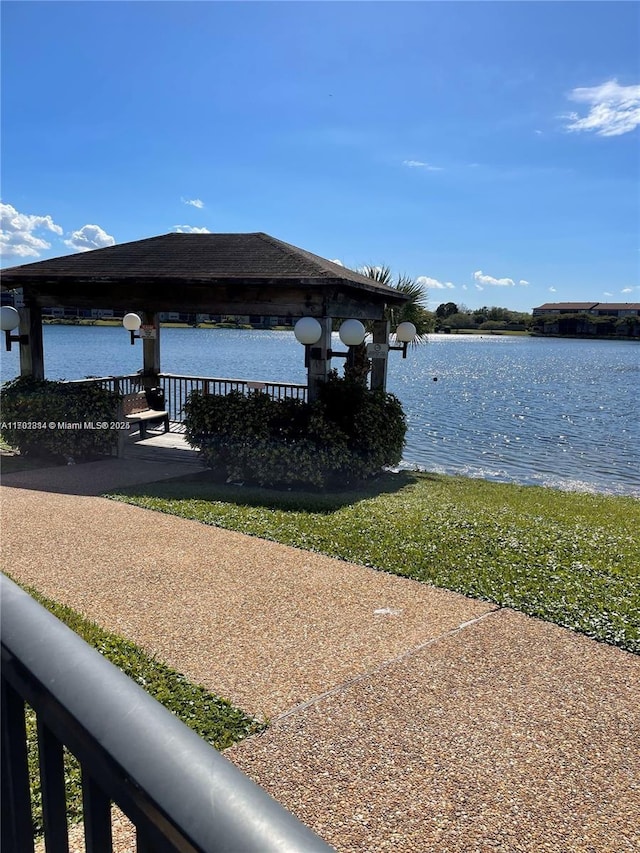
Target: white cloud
x=479 y=287
x=539 y=132
x=191 y=229
x=89 y=237
x=628 y=289
x=489 y=279
x=194 y=202
x=433 y=283
x=607 y=293
x=523 y=282
x=17 y=237
x=418 y=164
x=552 y=289
x=336 y=261
x=464 y=287
x=613 y=109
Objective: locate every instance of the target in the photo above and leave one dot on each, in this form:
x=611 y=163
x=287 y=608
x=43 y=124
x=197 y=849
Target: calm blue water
x=561 y=413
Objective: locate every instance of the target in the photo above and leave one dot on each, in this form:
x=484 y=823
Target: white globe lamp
x=9 y=318
x=405 y=333
x=352 y=333
x=131 y=322
x=307 y=331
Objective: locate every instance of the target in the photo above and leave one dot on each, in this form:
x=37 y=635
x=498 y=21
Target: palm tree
x=413 y=311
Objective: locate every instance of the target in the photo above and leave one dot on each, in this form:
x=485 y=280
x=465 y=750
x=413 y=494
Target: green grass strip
x=214 y=719
x=566 y=557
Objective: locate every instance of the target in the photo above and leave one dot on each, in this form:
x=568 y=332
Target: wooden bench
x=135 y=409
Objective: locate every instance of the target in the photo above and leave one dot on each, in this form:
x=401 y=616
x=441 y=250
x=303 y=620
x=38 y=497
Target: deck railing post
x=17 y=832
x=52 y=784
x=96 y=811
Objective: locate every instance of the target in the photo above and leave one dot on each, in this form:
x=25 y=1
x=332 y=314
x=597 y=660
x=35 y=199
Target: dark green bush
x=348 y=435
x=58 y=419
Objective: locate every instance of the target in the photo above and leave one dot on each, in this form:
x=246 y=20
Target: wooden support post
x=151 y=351
x=32 y=352
x=319 y=367
x=379 y=365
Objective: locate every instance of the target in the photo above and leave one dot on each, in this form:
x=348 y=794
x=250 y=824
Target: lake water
x=553 y=412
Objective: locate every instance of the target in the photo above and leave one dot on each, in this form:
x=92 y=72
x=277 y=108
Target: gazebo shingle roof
x=195 y=257
x=215 y=273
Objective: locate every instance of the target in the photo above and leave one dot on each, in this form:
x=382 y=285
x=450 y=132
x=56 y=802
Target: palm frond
x=410 y=287
x=381 y=274
x=414 y=310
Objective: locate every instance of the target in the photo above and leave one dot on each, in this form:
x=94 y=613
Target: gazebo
x=240 y=274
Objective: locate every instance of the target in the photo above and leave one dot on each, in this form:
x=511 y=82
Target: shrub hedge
x=41 y=417
x=348 y=435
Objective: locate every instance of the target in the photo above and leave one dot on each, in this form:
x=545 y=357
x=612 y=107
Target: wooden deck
x=162 y=446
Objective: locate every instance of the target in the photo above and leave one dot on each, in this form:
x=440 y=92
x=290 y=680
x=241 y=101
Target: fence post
x=17 y=834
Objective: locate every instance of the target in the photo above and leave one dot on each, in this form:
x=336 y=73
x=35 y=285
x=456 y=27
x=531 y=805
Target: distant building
x=616 y=309
x=14 y=298
x=598 y=309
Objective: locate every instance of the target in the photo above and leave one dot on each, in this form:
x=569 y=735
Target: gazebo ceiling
x=203 y=273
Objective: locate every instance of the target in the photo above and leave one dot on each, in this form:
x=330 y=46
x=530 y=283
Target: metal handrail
x=177 y=387
x=228 y=379
x=181 y=794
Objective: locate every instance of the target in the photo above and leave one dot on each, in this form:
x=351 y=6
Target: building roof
x=196 y=257
x=210 y=273
x=564 y=306
x=587 y=306
x=618 y=306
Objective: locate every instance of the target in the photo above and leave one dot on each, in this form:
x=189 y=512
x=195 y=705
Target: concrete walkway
x=403 y=717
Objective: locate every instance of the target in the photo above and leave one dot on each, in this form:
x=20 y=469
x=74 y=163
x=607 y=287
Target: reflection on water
x=561 y=413
x=553 y=412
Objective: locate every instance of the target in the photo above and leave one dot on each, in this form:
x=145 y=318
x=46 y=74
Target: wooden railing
x=177 y=388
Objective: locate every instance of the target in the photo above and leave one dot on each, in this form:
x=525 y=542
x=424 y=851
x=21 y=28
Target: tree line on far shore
x=451 y=315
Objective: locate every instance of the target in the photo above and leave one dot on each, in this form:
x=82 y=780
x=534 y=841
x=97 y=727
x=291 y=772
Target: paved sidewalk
x=404 y=717
x=96 y=478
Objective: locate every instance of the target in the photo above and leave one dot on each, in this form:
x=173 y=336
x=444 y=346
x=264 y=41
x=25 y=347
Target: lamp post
x=308 y=331
x=132 y=323
x=10 y=320
x=405 y=333
x=148 y=329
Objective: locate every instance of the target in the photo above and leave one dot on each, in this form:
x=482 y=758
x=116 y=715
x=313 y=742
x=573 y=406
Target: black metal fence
x=178 y=791
x=177 y=388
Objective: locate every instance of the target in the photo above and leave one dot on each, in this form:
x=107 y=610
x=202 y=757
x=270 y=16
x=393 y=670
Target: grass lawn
x=569 y=558
x=212 y=718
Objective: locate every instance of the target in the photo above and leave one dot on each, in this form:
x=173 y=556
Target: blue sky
x=490 y=148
